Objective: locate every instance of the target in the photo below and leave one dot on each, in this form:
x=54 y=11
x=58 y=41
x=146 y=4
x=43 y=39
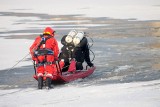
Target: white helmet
x=77 y=39
x=70 y=36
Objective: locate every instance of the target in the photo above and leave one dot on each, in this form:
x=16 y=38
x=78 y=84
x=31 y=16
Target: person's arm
x=63 y=40
x=34 y=47
x=87 y=55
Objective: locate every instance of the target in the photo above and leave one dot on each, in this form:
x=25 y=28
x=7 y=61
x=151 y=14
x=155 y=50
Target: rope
x=18 y=62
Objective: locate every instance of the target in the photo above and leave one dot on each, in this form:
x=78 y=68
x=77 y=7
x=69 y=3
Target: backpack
x=43 y=51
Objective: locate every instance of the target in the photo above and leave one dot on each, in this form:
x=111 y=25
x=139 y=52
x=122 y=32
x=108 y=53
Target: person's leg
x=40 y=82
x=79 y=66
x=40 y=71
x=50 y=70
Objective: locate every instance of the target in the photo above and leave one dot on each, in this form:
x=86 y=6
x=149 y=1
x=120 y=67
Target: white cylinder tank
x=70 y=36
x=77 y=39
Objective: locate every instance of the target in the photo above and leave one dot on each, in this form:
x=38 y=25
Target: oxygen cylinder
x=70 y=36
x=77 y=39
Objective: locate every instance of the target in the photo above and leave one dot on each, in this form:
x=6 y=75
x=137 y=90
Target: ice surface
x=140 y=9
x=15 y=52
x=142 y=94
x=82 y=93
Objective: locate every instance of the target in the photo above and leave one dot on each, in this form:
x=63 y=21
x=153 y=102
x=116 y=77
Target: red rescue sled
x=67 y=76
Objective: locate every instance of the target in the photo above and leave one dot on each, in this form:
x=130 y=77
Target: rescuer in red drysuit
x=44 y=52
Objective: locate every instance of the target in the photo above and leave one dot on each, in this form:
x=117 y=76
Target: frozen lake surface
x=126 y=46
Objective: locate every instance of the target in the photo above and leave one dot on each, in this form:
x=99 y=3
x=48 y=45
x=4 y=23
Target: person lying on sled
x=75 y=46
x=44 y=52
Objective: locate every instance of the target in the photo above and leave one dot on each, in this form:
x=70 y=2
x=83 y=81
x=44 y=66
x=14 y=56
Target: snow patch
x=142 y=94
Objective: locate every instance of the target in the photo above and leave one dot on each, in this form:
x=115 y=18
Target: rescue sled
x=65 y=77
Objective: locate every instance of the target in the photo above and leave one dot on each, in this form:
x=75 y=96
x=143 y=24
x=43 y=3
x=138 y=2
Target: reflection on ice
x=125 y=67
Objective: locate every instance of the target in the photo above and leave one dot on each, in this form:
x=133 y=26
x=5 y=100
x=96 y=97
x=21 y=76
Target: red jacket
x=51 y=44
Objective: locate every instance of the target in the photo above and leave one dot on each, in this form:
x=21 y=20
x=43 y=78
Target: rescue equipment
x=70 y=36
x=65 y=77
x=77 y=39
x=48 y=31
x=43 y=51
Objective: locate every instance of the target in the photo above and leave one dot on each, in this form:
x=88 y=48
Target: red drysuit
x=46 y=63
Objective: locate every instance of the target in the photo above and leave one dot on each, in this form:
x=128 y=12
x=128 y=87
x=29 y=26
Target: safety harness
x=43 y=51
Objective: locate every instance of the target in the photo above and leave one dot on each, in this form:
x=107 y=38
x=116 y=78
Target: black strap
x=43 y=41
x=42 y=52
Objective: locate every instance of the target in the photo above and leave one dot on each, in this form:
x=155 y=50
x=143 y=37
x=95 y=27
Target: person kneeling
x=75 y=46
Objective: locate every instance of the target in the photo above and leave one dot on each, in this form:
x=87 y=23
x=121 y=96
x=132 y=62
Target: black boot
x=48 y=83
x=40 y=82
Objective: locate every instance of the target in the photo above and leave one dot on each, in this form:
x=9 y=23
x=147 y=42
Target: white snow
x=14 y=52
x=142 y=94
x=138 y=94
x=140 y=9
x=10 y=23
